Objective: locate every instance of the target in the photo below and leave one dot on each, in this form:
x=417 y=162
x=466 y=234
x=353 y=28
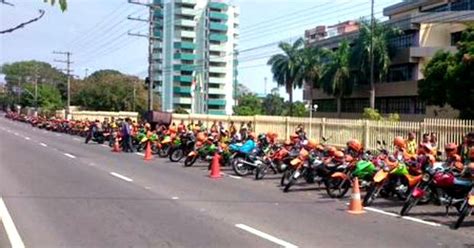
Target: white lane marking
x=141 y=154
x=235 y=177
x=175 y=198
x=402 y=217
x=12 y=232
x=16 y=134
x=121 y=177
x=147 y=187
x=69 y=155
x=421 y=221
x=45 y=132
x=76 y=139
x=57 y=134
x=104 y=145
x=265 y=236
x=27 y=138
x=43 y=144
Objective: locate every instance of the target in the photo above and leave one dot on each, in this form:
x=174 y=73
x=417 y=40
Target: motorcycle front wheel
x=408 y=205
x=164 y=151
x=337 y=187
x=285 y=178
x=465 y=211
x=372 y=193
x=190 y=160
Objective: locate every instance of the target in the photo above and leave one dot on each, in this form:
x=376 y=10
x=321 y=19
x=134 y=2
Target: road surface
x=60 y=192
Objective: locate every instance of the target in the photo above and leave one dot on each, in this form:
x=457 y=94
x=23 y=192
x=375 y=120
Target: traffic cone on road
x=215 y=167
x=147 y=152
x=116 y=147
x=355 y=206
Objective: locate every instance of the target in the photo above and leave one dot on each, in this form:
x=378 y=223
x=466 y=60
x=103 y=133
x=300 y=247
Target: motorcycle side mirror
x=379 y=143
x=383 y=142
x=324 y=139
x=438 y=153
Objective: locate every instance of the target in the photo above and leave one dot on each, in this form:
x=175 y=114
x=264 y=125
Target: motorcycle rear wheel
x=164 y=151
x=290 y=183
x=408 y=205
x=240 y=168
x=285 y=178
x=465 y=211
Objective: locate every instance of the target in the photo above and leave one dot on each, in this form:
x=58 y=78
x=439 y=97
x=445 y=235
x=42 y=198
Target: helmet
x=354 y=145
x=319 y=147
x=294 y=136
x=201 y=136
x=312 y=144
x=262 y=137
x=147 y=125
x=331 y=151
x=399 y=142
x=339 y=155
x=450 y=149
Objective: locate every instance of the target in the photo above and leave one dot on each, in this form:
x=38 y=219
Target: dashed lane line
x=266 y=236
x=69 y=155
x=121 y=177
x=43 y=144
x=10 y=228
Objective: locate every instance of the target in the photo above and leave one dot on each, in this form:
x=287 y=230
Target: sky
x=95 y=31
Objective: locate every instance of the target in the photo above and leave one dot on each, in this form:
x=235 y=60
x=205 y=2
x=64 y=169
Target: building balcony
x=189 y=2
x=413 y=54
x=157 y=56
x=158 y=13
x=219 y=58
x=218 y=26
x=157 y=66
x=185 y=45
x=218 y=15
x=157 y=78
x=214 y=80
x=217 y=91
x=184 y=67
x=182 y=90
x=185 y=56
x=218 y=5
x=217 y=112
x=182 y=100
x=187 y=34
x=218 y=48
x=217 y=69
x=218 y=37
x=185 y=23
x=216 y=102
x=185 y=79
x=185 y=11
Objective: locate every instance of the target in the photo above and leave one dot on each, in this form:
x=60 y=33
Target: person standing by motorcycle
x=411 y=144
x=232 y=129
x=127 y=135
x=181 y=127
x=464 y=148
x=300 y=132
x=93 y=126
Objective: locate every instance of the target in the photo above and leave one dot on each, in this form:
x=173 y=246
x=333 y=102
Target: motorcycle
x=98 y=137
x=181 y=147
x=204 y=152
x=443 y=184
x=247 y=157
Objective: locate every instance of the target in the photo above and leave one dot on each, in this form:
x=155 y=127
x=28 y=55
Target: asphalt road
x=63 y=193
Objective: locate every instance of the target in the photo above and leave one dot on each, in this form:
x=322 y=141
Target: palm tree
x=360 y=58
x=312 y=68
x=287 y=67
x=336 y=78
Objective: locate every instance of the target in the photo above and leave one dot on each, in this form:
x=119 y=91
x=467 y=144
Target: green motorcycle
x=204 y=152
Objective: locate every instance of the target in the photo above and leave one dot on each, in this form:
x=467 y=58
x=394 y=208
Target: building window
x=408 y=39
x=354 y=105
x=455 y=38
x=326 y=106
x=400 y=105
x=399 y=73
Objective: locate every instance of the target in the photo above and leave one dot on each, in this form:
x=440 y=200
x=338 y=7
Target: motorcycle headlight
x=386 y=168
x=426 y=177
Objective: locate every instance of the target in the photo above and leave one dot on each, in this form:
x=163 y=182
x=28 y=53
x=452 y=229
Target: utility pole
x=134 y=94
x=150 y=38
x=372 y=83
x=265 y=85
x=68 y=71
x=36 y=89
x=87 y=70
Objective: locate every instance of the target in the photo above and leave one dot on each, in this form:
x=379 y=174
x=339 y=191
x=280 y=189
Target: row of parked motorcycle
x=415 y=180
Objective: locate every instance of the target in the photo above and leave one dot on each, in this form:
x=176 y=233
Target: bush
x=374 y=115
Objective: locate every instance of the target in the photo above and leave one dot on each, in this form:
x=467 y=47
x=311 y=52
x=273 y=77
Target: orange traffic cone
x=355 y=206
x=116 y=147
x=215 y=167
x=148 y=151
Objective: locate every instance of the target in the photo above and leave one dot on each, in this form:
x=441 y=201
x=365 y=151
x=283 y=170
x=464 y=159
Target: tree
x=313 y=64
x=336 y=77
x=273 y=104
x=248 y=105
x=299 y=109
x=180 y=110
x=287 y=67
x=449 y=78
x=110 y=90
x=360 y=58
x=62 y=5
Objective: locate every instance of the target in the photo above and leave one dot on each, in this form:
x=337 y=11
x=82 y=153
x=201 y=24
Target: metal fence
x=339 y=131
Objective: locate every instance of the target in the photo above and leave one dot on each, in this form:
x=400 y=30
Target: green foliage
x=287 y=67
x=374 y=115
x=49 y=97
x=299 y=110
x=248 y=105
x=62 y=3
x=273 y=105
x=110 y=90
x=180 y=110
x=449 y=78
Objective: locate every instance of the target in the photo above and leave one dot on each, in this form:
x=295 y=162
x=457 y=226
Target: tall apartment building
x=428 y=26
x=195 y=57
